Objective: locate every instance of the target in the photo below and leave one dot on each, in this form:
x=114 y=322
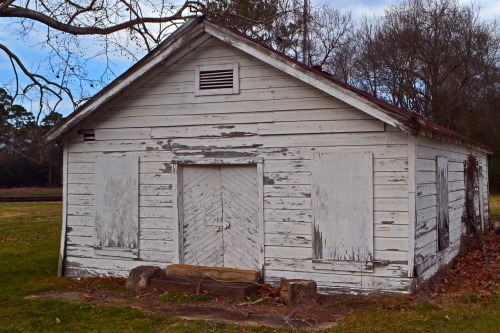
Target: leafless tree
x=330 y=33
x=74 y=33
x=434 y=57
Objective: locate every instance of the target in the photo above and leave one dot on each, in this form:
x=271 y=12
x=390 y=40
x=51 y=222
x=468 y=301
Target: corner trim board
x=62 y=251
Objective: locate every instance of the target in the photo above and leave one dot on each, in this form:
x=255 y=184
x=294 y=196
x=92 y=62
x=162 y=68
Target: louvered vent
x=88 y=134
x=217 y=79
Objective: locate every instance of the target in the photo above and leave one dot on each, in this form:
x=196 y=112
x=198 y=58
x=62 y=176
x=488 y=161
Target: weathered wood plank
x=242 y=106
x=141 y=133
x=260 y=95
x=455 y=176
x=426 y=201
x=156 y=223
x=267 y=145
x=155 y=201
x=155 y=234
x=288 y=228
x=390 y=178
x=426 y=165
x=325 y=126
x=226 y=130
x=292 y=191
x=426 y=189
x=391 y=218
x=426 y=214
x=81 y=167
x=287 y=166
x=153 y=189
x=390 y=191
x=321 y=114
x=288 y=240
x=287 y=203
x=74 y=220
x=392 y=269
x=81 y=178
x=390 y=205
x=287 y=178
x=156 y=212
x=281 y=215
x=157 y=256
x=426 y=177
x=80 y=210
x=155 y=167
x=341 y=283
x=155 y=179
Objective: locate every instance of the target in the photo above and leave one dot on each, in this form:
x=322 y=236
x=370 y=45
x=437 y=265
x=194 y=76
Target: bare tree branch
x=38 y=80
x=69 y=27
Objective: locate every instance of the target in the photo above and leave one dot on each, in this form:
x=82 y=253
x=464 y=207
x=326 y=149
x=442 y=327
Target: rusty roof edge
x=100 y=98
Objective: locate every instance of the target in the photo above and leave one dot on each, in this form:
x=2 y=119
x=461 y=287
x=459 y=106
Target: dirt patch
x=470 y=276
x=264 y=311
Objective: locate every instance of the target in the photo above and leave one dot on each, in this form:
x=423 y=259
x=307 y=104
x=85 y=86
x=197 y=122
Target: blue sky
x=32 y=50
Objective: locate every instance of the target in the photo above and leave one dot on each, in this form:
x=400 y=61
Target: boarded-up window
x=443 y=220
x=342 y=195
x=116 y=205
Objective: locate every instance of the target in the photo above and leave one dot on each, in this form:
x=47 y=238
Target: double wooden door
x=220 y=216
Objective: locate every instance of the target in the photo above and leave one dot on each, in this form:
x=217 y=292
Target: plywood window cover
x=103 y=170
x=217 y=79
x=443 y=214
x=365 y=233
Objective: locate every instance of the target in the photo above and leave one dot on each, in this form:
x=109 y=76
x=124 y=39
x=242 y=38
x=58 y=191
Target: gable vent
x=88 y=134
x=220 y=79
x=217 y=79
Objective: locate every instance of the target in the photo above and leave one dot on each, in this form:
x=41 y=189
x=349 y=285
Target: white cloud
x=490 y=8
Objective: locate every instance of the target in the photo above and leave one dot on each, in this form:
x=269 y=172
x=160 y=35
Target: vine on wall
x=470 y=219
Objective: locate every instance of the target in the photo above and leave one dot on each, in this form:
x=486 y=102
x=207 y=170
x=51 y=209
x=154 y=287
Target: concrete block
x=298 y=291
x=140 y=277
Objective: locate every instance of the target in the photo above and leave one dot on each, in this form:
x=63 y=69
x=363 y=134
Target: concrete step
x=235 y=290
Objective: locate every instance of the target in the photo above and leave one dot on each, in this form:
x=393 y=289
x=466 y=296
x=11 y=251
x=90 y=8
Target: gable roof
x=197 y=30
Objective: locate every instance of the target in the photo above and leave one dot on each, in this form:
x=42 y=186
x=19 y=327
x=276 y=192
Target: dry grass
x=30 y=192
x=495 y=206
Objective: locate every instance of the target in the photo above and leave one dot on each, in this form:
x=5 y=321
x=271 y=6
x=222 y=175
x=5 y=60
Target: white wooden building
x=215 y=150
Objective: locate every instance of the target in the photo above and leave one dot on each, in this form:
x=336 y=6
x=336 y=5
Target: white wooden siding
x=427 y=257
x=163 y=121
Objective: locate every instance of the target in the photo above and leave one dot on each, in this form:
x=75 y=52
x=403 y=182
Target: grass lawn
x=495 y=207
x=30 y=192
x=29 y=246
